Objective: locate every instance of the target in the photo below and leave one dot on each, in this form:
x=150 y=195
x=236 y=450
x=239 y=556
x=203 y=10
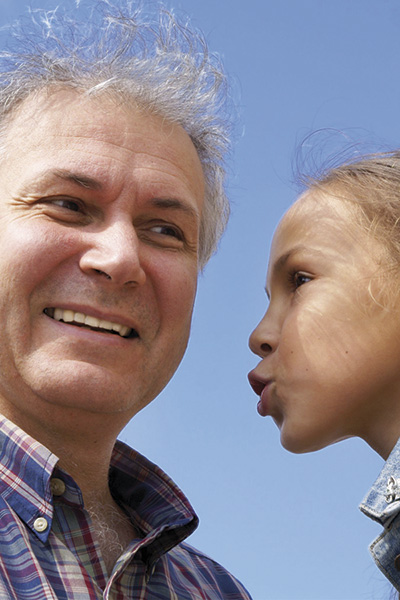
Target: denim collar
x=382 y=503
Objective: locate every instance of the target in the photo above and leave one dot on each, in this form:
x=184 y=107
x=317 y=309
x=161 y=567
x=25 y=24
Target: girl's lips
x=261 y=386
x=264 y=401
x=258 y=383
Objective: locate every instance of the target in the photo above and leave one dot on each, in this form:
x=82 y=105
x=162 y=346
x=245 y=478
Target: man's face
x=100 y=207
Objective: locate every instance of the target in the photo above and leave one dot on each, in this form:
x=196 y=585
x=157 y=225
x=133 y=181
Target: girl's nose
x=264 y=338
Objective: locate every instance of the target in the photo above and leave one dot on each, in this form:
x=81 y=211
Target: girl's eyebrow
x=280 y=262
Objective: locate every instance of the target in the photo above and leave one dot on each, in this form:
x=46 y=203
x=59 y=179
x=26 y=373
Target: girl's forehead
x=312 y=211
x=316 y=210
x=315 y=205
x=322 y=222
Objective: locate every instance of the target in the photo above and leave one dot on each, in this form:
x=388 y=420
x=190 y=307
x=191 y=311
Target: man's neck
x=84 y=452
x=82 y=442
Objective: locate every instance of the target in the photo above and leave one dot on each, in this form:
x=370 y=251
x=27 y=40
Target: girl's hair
x=372 y=183
x=144 y=56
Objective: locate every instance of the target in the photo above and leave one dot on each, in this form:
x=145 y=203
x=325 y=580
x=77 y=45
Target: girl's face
x=330 y=351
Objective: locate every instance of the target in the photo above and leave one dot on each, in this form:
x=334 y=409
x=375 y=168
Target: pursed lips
x=257 y=384
x=262 y=387
x=87 y=321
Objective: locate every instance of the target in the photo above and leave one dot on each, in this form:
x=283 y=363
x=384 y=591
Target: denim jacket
x=382 y=504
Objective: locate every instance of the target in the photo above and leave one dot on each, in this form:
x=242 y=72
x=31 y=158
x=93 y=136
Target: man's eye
x=167 y=230
x=67 y=203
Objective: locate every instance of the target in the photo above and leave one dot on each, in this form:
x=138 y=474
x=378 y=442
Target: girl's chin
x=295 y=443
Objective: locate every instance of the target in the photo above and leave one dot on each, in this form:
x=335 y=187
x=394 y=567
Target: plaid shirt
x=47 y=547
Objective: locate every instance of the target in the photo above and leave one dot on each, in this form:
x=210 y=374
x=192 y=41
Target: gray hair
x=160 y=63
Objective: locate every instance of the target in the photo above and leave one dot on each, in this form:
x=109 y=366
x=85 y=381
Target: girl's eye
x=298 y=279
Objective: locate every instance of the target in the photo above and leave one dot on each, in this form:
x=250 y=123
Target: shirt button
x=57 y=486
x=40 y=524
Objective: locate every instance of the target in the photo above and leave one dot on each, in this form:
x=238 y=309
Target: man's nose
x=264 y=338
x=114 y=253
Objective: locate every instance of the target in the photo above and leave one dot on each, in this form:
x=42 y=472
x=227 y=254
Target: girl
x=330 y=340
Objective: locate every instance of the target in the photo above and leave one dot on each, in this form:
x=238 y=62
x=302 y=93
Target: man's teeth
x=69 y=316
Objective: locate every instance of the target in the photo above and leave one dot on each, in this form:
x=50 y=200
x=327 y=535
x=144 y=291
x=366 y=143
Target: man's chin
x=85 y=387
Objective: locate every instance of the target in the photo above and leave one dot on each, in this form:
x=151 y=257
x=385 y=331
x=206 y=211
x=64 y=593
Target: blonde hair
x=372 y=183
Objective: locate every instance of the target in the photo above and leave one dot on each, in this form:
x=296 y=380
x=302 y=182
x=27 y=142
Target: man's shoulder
x=206 y=573
x=159 y=506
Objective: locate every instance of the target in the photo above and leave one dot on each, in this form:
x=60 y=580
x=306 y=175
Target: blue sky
x=288 y=526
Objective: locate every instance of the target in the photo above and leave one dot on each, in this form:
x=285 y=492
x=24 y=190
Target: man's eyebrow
x=175 y=204
x=78 y=178
x=94 y=184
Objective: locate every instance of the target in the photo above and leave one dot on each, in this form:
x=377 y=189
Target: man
x=111 y=200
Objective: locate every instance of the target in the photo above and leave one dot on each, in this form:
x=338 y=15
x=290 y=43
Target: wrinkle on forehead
x=67 y=120
x=49 y=108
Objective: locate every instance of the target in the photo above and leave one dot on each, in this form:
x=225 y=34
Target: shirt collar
x=156 y=504
x=382 y=503
x=158 y=507
x=25 y=471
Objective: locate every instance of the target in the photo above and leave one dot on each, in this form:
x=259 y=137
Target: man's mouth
x=87 y=321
